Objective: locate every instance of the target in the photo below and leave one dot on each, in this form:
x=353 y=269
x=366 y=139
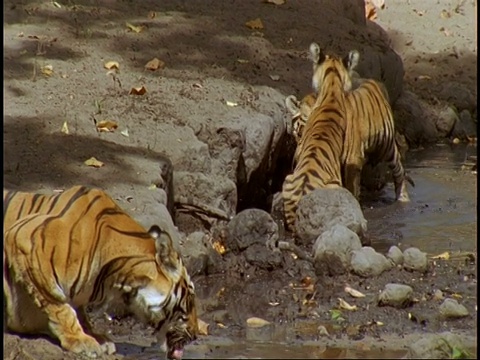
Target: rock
x=209 y=192
x=451 y=309
x=367 y=262
x=415 y=119
x=396 y=295
x=323 y=208
x=415 y=260
x=333 y=250
x=458 y=95
x=249 y=227
x=395 y=254
x=465 y=127
x=435 y=346
x=447 y=118
x=262 y=257
x=199 y=256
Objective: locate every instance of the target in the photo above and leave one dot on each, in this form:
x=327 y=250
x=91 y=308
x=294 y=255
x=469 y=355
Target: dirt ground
x=77 y=38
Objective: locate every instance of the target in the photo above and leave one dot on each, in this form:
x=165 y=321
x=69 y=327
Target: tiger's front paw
x=84 y=345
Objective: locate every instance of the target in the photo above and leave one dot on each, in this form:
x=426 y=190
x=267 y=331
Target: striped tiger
x=65 y=251
x=368 y=109
x=320 y=154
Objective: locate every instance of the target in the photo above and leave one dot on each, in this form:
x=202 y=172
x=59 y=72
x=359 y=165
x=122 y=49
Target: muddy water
x=442 y=213
x=441 y=216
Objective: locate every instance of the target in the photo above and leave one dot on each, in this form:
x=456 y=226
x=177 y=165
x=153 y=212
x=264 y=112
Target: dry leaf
x=134 y=28
x=274 y=77
x=353 y=292
x=137 y=91
x=445 y=14
x=219 y=247
x=154 y=64
x=344 y=305
x=273 y=303
x=443 y=256
x=221 y=326
x=47 y=70
x=230 y=103
x=152 y=187
x=93 y=162
x=255 y=24
x=202 y=327
x=111 y=65
x=65 y=128
x=152 y=14
x=242 y=61
x=424 y=77
x=256 y=322
x=125 y=132
x=56 y=4
x=275 y=2
x=106 y=126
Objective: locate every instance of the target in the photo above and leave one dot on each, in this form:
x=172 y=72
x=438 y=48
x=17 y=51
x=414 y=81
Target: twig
x=286 y=246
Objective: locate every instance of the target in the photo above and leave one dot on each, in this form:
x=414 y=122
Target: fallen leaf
x=152 y=187
x=274 y=77
x=424 y=77
x=219 y=247
x=306 y=281
x=56 y=4
x=344 y=305
x=125 y=132
x=202 y=327
x=221 y=326
x=445 y=14
x=256 y=322
x=134 y=28
x=65 y=128
x=152 y=14
x=275 y=2
x=230 y=103
x=93 y=162
x=336 y=315
x=443 y=256
x=353 y=292
x=242 y=61
x=456 y=296
x=47 y=70
x=137 y=91
x=273 y=303
x=111 y=65
x=154 y=64
x=255 y=24
x=106 y=126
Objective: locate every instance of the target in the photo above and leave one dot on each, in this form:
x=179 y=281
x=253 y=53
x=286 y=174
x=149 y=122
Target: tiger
x=368 y=109
x=68 y=250
x=320 y=154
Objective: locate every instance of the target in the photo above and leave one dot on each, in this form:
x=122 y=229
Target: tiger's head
x=323 y=63
x=300 y=111
x=164 y=296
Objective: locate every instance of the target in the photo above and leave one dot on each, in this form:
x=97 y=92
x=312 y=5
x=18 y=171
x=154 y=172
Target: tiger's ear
x=292 y=104
x=166 y=255
x=351 y=60
x=316 y=54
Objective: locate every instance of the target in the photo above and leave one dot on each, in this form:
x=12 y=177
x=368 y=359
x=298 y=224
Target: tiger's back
x=67 y=250
x=319 y=153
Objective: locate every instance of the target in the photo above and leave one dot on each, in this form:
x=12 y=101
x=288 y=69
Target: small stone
x=395 y=254
x=451 y=309
x=396 y=295
x=367 y=262
x=415 y=260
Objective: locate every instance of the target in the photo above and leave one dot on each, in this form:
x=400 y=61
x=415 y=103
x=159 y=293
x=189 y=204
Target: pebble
x=396 y=295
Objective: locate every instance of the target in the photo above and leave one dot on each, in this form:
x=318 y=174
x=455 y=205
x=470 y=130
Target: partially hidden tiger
x=67 y=250
x=368 y=109
x=320 y=154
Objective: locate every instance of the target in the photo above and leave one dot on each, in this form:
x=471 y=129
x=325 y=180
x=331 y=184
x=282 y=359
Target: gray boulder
x=333 y=250
x=396 y=295
x=367 y=262
x=323 y=208
x=415 y=260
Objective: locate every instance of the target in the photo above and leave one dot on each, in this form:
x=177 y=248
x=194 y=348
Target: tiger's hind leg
x=107 y=345
x=400 y=178
x=353 y=175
